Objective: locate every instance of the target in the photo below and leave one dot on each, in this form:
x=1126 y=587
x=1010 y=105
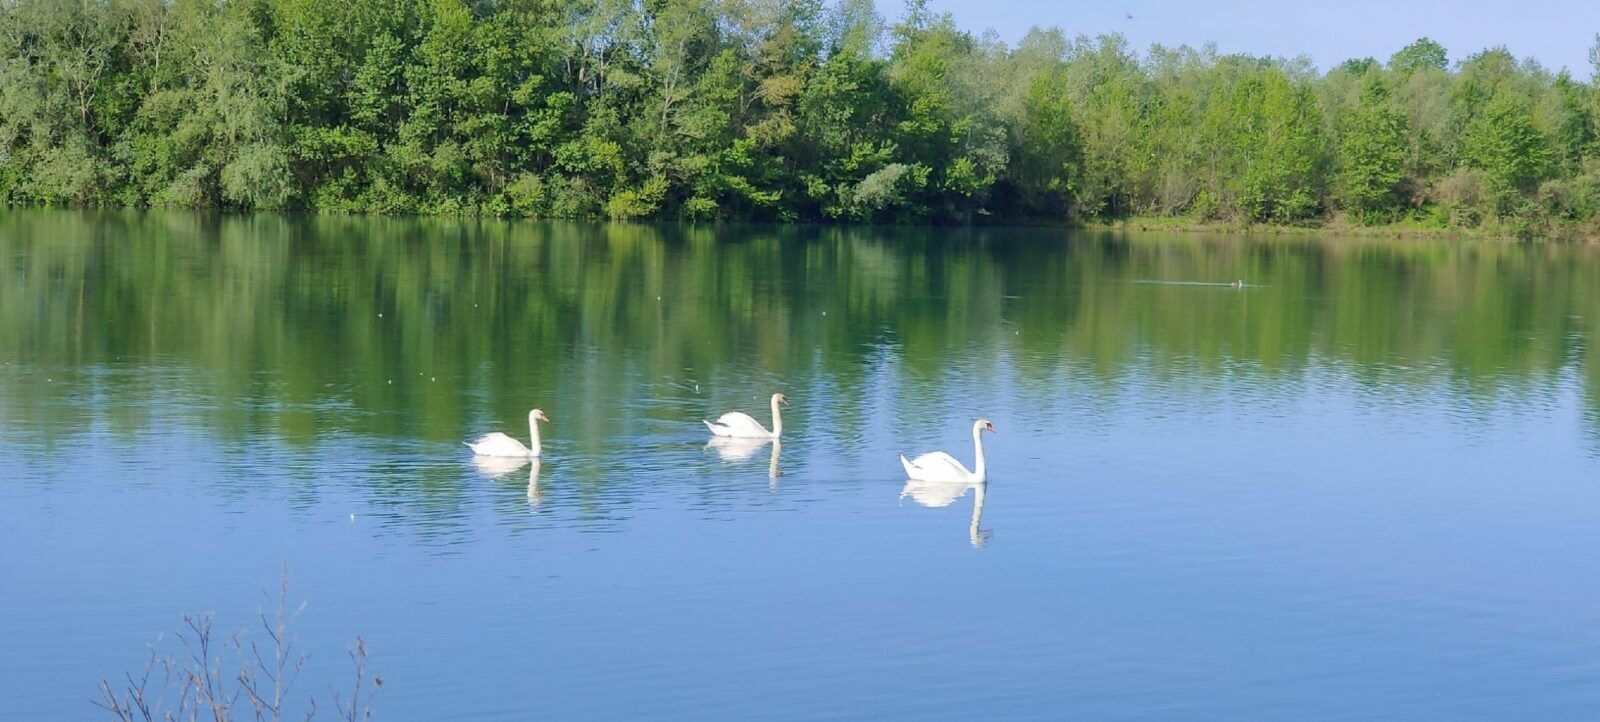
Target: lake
x=1365 y=484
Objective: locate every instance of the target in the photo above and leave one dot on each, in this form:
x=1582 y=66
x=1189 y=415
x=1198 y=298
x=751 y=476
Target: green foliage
x=1049 y=149
x=637 y=202
x=1373 y=156
x=1275 y=139
x=1424 y=54
x=1511 y=152
x=772 y=110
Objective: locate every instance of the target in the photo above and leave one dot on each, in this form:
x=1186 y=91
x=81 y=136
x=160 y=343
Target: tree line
x=765 y=110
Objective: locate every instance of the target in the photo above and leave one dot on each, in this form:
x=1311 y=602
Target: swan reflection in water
x=495 y=467
x=500 y=467
x=533 y=482
x=735 y=450
x=939 y=494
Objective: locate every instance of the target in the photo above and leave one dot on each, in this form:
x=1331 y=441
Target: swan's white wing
x=497 y=444
x=496 y=438
x=935 y=466
x=738 y=424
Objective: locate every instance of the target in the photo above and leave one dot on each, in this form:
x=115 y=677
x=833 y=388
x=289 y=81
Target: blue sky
x=1558 y=33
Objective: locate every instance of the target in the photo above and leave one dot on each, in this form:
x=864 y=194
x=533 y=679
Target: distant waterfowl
x=498 y=444
x=740 y=425
x=939 y=466
x=1237 y=284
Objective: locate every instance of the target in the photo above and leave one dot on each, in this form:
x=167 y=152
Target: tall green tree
x=1373 y=155
x=1511 y=152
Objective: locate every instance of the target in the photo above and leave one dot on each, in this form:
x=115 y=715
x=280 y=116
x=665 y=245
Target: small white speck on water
x=352 y=517
x=824 y=313
x=380 y=315
x=391 y=382
x=433 y=378
x=697 y=388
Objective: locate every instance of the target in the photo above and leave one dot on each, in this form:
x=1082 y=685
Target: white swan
x=939 y=466
x=740 y=425
x=498 y=444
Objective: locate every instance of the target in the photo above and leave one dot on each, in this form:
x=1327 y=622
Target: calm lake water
x=1362 y=486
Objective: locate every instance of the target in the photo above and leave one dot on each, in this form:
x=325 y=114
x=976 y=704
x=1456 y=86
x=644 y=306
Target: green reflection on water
x=420 y=328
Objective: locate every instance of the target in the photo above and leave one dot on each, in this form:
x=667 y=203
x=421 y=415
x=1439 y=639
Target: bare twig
x=359 y=708
x=198 y=676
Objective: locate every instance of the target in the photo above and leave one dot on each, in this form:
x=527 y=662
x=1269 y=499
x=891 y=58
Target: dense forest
x=770 y=110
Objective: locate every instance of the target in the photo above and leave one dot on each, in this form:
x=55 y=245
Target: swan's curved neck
x=977 y=450
x=533 y=435
x=777 y=418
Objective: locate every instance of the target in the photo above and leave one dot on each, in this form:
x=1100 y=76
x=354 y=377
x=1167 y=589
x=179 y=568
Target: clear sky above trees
x=1556 y=32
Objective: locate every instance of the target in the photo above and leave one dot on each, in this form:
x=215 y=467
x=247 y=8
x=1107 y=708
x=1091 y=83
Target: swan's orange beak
x=783 y=400
x=990 y=428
